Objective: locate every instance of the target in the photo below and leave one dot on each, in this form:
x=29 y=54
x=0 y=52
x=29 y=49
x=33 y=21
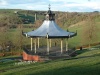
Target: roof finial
x=49 y=6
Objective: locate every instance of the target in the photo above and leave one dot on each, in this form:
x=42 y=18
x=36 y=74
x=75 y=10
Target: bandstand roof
x=50 y=28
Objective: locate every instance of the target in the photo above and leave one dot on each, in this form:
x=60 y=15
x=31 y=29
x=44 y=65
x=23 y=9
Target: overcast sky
x=56 y=5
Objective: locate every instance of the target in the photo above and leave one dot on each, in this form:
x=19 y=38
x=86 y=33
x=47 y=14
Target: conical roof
x=50 y=28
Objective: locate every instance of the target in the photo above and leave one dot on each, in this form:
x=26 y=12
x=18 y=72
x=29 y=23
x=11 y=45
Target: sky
x=56 y=5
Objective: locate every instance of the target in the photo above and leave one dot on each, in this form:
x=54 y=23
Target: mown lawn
x=87 y=62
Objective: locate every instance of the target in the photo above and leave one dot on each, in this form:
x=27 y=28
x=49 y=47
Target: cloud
x=56 y=5
x=3 y=2
x=93 y=5
x=57 y=0
x=37 y=7
x=88 y=5
x=24 y=1
x=64 y=1
x=29 y=7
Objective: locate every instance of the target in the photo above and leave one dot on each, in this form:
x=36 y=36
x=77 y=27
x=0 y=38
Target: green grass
x=78 y=40
x=73 y=42
x=30 y=17
x=86 y=63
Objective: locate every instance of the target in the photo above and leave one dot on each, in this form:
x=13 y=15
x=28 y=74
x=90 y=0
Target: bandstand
x=48 y=30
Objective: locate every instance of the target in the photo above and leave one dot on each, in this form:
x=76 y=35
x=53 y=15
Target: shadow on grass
x=11 y=58
x=66 y=70
x=78 y=52
x=72 y=58
x=72 y=70
x=69 y=70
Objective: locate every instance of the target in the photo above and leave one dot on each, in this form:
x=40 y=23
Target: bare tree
x=89 y=31
x=18 y=38
x=4 y=37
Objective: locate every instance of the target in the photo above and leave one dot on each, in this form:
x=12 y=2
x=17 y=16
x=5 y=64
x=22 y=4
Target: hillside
x=82 y=29
x=13 y=23
x=64 y=19
x=86 y=62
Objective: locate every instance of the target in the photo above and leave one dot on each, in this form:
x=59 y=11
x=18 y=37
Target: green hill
x=64 y=19
x=87 y=62
x=25 y=18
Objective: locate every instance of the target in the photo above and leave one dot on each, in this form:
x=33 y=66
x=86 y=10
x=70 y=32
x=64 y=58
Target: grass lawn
x=87 y=62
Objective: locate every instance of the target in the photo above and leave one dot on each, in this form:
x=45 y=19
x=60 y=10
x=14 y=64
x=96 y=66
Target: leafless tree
x=4 y=37
x=89 y=31
x=18 y=40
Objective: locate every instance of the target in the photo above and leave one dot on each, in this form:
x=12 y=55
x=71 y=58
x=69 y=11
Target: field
x=73 y=42
x=75 y=21
x=86 y=62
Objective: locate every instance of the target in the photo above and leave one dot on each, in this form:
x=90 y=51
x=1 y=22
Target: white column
x=66 y=44
x=47 y=45
x=38 y=42
x=61 y=46
x=35 y=45
x=31 y=44
x=50 y=43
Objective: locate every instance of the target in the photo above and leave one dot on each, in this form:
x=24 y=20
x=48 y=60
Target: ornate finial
x=49 y=6
x=49 y=14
